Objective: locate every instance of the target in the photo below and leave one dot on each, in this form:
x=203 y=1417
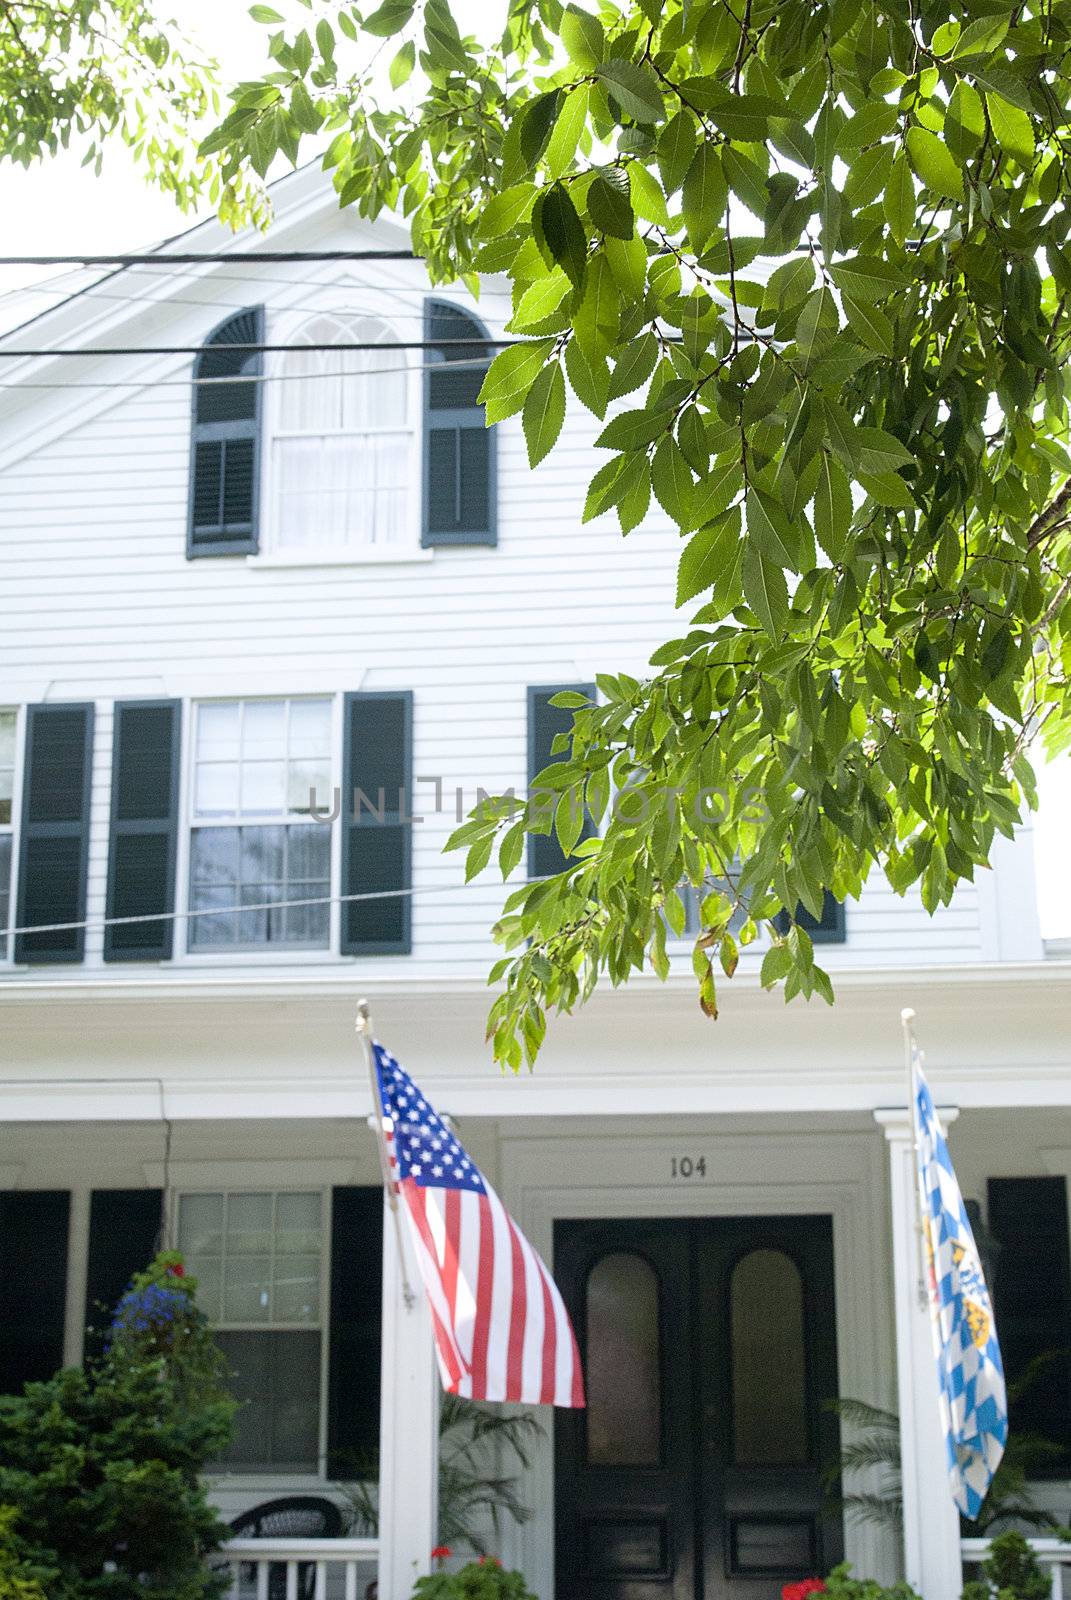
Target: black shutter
x=459 y=449
x=54 y=841
x=33 y=1284
x=829 y=928
x=354 y=1330
x=1031 y=1291
x=144 y=828
x=545 y=722
x=377 y=791
x=124 y=1226
x=225 y=440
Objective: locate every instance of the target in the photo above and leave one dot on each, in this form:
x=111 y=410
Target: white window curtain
x=343 y=440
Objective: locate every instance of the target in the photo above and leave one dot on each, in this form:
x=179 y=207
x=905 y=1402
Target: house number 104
x=688 y=1166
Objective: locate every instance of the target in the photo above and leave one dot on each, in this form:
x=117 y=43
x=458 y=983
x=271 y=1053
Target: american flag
x=501 y=1329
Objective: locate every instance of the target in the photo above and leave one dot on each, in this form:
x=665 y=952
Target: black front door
x=709 y=1351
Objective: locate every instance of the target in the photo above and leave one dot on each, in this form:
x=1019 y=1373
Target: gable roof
x=40 y=395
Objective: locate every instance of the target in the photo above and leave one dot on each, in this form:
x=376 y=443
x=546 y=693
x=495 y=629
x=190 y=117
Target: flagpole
x=363 y=1029
x=907 y=1019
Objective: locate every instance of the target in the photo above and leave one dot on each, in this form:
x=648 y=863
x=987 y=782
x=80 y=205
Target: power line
x=91 y=925
x=475 y=342
x=207 y=257
x=151 y=384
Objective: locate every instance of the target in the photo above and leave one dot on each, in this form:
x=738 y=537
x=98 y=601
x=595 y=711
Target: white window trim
x=343 y=302
x=243 y=1477
x=12 y=831
x=185 y=955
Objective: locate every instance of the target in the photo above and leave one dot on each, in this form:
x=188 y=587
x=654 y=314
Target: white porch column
x=932 y=1561
x=76 y=1311
x=409 y=1428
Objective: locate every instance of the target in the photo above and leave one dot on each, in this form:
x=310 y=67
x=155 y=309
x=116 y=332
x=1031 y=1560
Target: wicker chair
x=298 y=1517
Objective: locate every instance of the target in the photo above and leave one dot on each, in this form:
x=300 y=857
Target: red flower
x=176 y=1270
x=440 y=1552
x=800 y=1591
x=489 y=1561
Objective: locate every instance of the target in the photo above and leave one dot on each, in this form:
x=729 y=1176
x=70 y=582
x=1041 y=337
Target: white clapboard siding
x=101 y=602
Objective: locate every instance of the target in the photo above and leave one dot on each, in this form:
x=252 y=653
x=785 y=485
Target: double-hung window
x=343 y=440
x=259 y=769
x=8 y=726
x=259 y=1262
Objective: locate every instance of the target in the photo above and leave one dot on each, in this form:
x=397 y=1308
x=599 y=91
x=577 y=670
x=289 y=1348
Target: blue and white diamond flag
x=973 y=1399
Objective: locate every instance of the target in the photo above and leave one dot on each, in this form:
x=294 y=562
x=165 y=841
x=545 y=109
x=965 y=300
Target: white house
x=325 y=573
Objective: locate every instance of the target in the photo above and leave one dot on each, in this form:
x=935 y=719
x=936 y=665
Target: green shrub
x=485 y=1579
x=18 y=1579
x=1011 y=1571
x=840 y=1585
x=103 y=1464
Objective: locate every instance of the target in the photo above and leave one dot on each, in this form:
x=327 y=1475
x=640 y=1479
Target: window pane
x=247 y=1289
x=766 y=1322
x=217 y=730
x=296 y=1289
x=624 y=1416
x=7 y=764
x=263 y=788
x=200 y=1224
x=234 y=867
x=5 y=889
x=208 y=1270
x=216 y=789
x=263 y=729
x=276 y=1378
x=297 y=1222
x=310 y=727
x=249 y=1224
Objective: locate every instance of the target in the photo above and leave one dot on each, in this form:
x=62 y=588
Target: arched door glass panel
x=769 y=1363
x=624 y=1386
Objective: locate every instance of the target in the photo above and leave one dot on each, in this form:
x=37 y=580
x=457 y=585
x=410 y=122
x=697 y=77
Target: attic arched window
x=225 y=447
x=342 y=446
x=459 y=450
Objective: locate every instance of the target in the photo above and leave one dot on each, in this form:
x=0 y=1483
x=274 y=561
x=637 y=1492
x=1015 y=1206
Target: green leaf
x=704 y=196
x=556 y=218
x=925 y=657
x=870 y=326
x=995 y=654
x=634 y=365
x=544 y=412
x=765 y=590
x=817 y=323
x=671 y=480
x=610 y=208
x=632 y=430
x=867 y=278
x=887 y=488
x=511 y=375
x=634 y=87
x=647 y=197
x=387 y=19
x=982 y=35
x=934 y=164
x=537 y=126
x=402 y=65
x=770 y=530
x=676 y=150
x=265 y=14
x=744 y=116
x=707 y=555
x=505 y=211
x=747 y=181
x=832 y=508
x=568 y=128
x=583 y=37
x=878 y=451
x=789 y=284
x=1012 y=128
x=899 y=202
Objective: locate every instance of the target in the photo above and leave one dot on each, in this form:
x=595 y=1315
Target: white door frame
x=756 y=1173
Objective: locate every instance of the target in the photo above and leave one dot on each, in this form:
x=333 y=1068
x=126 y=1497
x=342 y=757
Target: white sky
x=60 y=207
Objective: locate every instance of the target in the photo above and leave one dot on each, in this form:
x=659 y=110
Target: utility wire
x=147 y=385
x=475 y=342
x=93 y=925
x=207 y=257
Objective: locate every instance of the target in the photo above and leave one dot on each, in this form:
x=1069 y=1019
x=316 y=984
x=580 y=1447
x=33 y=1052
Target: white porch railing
x=299 y=1569
x=1052 y=1553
